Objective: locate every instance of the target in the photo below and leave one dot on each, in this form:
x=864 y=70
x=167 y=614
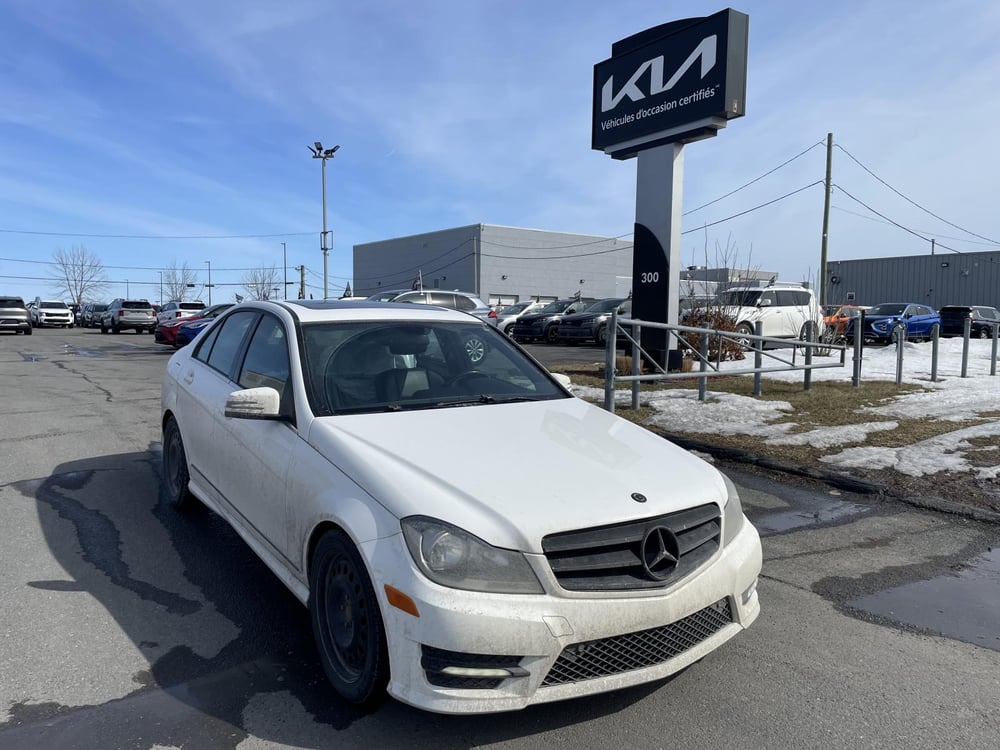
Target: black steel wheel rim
x=347 y=630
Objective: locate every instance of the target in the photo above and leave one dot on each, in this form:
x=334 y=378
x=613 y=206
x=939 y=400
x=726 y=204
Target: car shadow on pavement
x=217 y=635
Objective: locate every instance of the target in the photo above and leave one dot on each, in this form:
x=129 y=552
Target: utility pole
x=826 y=219
x=302 y=281
x=324 y=153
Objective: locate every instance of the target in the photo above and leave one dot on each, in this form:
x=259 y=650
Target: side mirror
x=254 y=403
x=764 y=303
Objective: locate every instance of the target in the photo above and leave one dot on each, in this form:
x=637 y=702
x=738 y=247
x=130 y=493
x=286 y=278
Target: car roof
x=312 y=311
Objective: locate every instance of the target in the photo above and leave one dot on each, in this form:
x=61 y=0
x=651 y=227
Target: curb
x=843 y=482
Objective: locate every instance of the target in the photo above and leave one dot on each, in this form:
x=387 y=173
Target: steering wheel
x=464 y=377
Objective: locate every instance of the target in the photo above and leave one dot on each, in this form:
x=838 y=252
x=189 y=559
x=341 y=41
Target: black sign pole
x=656 y=252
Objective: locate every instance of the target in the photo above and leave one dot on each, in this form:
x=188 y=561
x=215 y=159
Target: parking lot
x=126 y=624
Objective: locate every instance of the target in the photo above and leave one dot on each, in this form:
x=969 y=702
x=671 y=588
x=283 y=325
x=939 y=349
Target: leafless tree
x=261 y=283
x=178 y=281
x=78 y=274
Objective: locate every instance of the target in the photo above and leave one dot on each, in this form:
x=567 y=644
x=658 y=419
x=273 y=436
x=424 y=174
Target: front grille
x=435 y=660
x=646 y=648
x=610 y=558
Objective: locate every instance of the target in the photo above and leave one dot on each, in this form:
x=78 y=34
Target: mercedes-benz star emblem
x=660 y=551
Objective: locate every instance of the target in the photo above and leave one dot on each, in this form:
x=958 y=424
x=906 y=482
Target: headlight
x=455 y=558
x=732 y=513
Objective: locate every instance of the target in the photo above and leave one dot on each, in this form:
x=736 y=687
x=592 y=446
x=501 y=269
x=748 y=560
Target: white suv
x=177 y=309
x=782 y=310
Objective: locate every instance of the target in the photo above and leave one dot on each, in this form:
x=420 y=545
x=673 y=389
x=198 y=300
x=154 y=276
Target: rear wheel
x=175 y=467
x=346 y=621
x=742 y=331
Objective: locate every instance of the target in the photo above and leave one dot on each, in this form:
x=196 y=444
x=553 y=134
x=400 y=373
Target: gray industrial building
x=935 y=280
x=503 y=265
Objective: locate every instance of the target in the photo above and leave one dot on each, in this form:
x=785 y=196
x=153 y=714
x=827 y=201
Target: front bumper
x=545 y=635
x=575 y=333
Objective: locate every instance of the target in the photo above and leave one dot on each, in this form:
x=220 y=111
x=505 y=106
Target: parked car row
x=883 y=322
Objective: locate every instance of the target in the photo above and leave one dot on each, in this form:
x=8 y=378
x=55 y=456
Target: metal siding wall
x=549 y=264
x=935 y=280
x=537 y=263
x=445 y=259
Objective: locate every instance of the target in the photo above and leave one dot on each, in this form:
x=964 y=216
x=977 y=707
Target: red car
x=166 y=332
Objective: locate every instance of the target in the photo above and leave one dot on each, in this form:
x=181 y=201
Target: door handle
x=189 y=377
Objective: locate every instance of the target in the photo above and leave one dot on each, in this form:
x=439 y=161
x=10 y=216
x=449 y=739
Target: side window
x=767 y=298
x=266 y=363
x=464 y=303
x=220 y=352
x=441 y=298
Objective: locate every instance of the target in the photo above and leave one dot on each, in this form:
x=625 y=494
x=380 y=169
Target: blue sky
x=166 y=120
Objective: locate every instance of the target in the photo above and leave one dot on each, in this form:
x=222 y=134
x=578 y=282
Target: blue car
x=880 y=321
x=187 y=332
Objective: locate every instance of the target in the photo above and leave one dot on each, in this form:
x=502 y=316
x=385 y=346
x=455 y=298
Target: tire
x=115 y=329
x=552 y=335
x=601 y=336
x=175 y=468
x=742 y=330
x=984 y=333
x=28 y=331
x=346 y=621
x=475 y=349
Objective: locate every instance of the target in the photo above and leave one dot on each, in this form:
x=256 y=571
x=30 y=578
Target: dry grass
x=824 y=405
x=835 y=404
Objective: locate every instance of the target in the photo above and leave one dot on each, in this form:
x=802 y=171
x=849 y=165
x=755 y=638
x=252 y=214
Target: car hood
x=580 y=468
x=584 y=317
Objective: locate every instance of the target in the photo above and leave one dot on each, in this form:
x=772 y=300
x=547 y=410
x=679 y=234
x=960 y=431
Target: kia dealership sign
x=678 y=82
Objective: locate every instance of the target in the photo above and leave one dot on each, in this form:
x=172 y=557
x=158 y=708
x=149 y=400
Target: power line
x=912 y=202
x=755 y=208
x=758 y=179
x=895 y=223
x=158 y=236
x=923 y=231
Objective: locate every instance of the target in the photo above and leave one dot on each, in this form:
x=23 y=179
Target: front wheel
x=346 y=621
x=601 y=336
x=552 y=335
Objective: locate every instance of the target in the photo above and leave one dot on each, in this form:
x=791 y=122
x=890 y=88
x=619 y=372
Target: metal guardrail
x=707 y=367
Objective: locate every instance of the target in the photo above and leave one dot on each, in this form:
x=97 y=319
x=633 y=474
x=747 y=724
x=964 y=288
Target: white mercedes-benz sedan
x=347 y=445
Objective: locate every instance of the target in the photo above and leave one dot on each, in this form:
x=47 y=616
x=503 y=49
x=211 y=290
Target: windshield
x=53 y=303
x=514 y=309
x=605 y=305
x=556 y=306
x=739 y=298
x=887 y=309
x=367 y=366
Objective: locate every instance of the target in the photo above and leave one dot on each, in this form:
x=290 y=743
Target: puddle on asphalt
x=964 y=605
x=815 y=511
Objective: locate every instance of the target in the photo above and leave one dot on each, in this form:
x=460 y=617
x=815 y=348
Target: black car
x=982 y=320
x=544 y=324
x=592 y=323
x=90 y=314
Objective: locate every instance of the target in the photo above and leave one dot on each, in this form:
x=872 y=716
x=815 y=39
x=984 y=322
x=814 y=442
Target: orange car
x=837 y=319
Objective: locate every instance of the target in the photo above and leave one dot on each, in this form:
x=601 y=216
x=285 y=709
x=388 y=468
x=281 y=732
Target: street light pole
x=160 y=300
x=319 y=152
x=209 y=285
x=284 y=267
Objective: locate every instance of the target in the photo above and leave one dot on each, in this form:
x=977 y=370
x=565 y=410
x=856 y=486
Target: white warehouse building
x=501 y=265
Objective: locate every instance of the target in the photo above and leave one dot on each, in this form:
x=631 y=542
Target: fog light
x=476 y=672
x=748 y=594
